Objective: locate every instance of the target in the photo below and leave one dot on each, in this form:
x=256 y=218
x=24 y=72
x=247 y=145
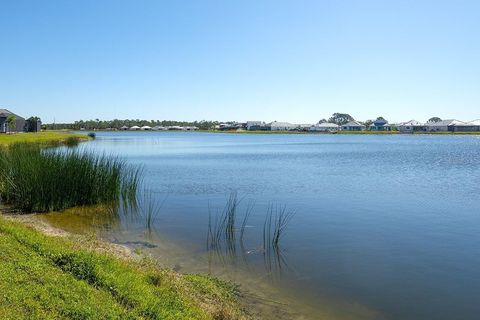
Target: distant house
x=353 y=126
x=380 y=125
x=134 y=128
x=146 y=128
x=124 y=128
x=281 y=126
x=440 y=125
x=411 y=126
x=303 y=126
x=256 y=125
x=325 y=127
x=458 y=126
x=175 y=128
x=19 y=122
x=33 y=124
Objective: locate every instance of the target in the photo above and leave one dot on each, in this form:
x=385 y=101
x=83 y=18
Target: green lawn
x=46 y=137
x=46 y=277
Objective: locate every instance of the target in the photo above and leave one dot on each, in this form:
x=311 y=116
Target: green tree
x=368 y=123
x=11 y=122
x=340 y=118
x=434 y=119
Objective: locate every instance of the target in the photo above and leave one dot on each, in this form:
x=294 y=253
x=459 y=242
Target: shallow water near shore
x=385 y=227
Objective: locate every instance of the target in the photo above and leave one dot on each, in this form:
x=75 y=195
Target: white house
x=146 y=128
x=411 y=126
x=325 y=127
x=255 y=125
x=470 y=126
x=440 y=125
x=303 y=126
x=135 y=128
x=281 y=126
x=353 y=126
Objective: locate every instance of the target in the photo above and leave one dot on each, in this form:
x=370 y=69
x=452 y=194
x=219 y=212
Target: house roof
x=440 y=123
x=458 y=123
x=281 y=124
x=411 y=123
x=474 y=122
x=380 y=122
x=353 y=124
x=327 y=125
x=6 y=113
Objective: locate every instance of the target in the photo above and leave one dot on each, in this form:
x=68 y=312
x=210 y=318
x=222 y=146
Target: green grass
x=43 y=138
x=45 y=277
x=33 y=179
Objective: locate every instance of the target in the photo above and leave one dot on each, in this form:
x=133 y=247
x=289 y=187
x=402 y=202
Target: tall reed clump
x=33 y=179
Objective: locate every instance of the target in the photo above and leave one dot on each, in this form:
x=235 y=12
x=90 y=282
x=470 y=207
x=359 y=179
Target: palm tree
x=11 y=122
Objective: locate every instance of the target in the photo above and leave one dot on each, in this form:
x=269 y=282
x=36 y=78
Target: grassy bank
x=43 y=138
x=46 y=277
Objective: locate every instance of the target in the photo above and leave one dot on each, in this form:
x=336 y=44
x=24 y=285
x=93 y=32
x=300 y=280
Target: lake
x=383 y=226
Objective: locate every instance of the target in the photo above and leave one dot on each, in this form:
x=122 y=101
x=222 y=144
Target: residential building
x=33 y=124
x=470 y=126
x=327 y=127
x=19 y=122
x=281 y=126
x=303 y=126
x=380 y=125
x=440 y=125
x=411 y=126
x=353 y=126
x=134 y=128
x=256 y=125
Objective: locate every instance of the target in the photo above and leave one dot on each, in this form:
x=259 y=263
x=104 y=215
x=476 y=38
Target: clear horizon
x=295 y=61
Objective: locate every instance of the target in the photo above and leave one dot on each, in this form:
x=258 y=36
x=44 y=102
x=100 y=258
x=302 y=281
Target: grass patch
x=43 y=277
x=46 y=138
x=33 y=179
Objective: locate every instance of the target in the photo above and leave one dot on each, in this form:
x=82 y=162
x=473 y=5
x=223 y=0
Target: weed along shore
x=62 y=276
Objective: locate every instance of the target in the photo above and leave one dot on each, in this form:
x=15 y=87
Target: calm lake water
x=385 y=227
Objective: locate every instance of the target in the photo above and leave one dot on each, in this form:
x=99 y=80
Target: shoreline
x=445 y=133
x=204 y=297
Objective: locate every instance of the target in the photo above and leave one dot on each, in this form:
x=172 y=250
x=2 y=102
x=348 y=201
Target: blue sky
x=296 y=61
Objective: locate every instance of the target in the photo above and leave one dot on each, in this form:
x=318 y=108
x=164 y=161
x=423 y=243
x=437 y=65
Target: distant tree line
x=117 y=124
x=97 y=124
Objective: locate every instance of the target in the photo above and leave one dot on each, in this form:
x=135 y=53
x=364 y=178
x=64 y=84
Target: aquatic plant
x=92 y=135
x=72 y=141
x=33 y=179
x=222 y=238
x=149 y=208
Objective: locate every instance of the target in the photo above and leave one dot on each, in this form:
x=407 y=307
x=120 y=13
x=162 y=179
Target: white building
x=325 y=127
x=282 y=126
x=470 y=126
x=411 y=126
x=146 y=128
x=134 y=128
x=440 y=125
x=353 y=126
x=255 y=125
